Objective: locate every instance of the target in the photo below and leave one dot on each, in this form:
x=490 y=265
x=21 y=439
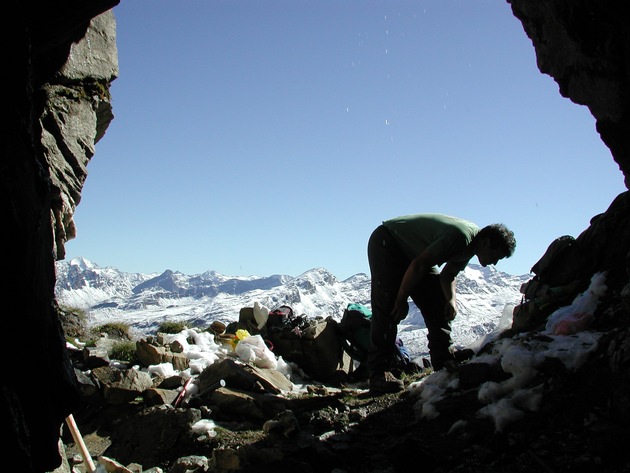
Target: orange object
x=76 y=435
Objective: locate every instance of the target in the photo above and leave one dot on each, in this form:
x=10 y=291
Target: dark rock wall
x=37 y=39
x=585 y=46
x=76 y=115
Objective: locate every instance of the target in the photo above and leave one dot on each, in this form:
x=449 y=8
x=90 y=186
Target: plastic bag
x=576 y=317
x=253 y=349
x=261 y=314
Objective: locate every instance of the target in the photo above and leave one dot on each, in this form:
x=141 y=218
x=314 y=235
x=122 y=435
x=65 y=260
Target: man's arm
x=447 y=282
x=414 y=274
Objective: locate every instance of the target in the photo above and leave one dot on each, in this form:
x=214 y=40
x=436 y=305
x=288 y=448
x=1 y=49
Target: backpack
x=280 y=317
x=566 y=268
x=558 y=277
x=246 y=321
x=355 y=327
x=314 y=344
x=355 y=330
x=549 y=270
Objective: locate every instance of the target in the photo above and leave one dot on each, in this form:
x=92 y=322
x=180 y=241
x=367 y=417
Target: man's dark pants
x=388 y=265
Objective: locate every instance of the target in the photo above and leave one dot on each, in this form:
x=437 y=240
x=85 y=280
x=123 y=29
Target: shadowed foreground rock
x=566 y=421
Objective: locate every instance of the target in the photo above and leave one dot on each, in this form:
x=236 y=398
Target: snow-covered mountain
x=145 y=300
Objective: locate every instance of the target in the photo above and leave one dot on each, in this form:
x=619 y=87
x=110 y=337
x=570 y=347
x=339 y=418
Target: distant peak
x=81 y=262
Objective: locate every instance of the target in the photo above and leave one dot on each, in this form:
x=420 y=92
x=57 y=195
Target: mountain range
x=485 y=298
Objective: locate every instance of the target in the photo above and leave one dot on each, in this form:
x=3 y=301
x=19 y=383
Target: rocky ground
x=353 y=431
x=582 y=425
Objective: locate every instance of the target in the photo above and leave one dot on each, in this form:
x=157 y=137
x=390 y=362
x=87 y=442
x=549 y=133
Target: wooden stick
x=76 y=435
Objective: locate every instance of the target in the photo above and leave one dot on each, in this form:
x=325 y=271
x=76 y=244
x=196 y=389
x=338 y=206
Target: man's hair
x=500 y=237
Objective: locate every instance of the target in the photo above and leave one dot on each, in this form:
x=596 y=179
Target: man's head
x=494 y=242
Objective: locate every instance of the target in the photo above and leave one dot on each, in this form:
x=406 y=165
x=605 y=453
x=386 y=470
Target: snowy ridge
x=145 y=300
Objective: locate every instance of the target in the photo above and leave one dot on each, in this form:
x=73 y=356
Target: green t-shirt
x=446 y=237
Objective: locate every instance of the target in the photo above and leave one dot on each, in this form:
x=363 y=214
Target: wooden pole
x=76 y=435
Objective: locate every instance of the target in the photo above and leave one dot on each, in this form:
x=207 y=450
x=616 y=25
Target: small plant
x=171 y=327
x=114 y=329
x=123 y=351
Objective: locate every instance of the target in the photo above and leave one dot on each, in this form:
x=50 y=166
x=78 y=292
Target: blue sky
x=264 y=137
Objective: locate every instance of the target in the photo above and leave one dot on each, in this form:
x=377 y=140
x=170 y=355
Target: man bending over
x=404 y=254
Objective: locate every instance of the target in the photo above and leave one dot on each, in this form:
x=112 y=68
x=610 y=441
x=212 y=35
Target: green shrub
x=171 y=327
x=114 y=329
x=123 y=351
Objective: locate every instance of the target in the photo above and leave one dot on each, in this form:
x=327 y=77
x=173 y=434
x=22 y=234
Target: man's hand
x=401 y=309
x=449 y=310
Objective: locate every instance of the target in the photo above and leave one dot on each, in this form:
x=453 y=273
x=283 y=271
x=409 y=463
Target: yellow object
x=241 y=334
x=232 y=339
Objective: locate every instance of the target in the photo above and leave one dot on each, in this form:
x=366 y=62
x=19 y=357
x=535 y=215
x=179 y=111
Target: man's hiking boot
x=452 y=366
x=438 y=362
x=449 y=365
x=386 y=382
x=451 y=360
x=463 y=355
x=409 y=368
x=359 y=374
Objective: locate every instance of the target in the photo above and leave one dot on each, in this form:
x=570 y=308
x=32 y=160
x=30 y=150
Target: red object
x=182 y=394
